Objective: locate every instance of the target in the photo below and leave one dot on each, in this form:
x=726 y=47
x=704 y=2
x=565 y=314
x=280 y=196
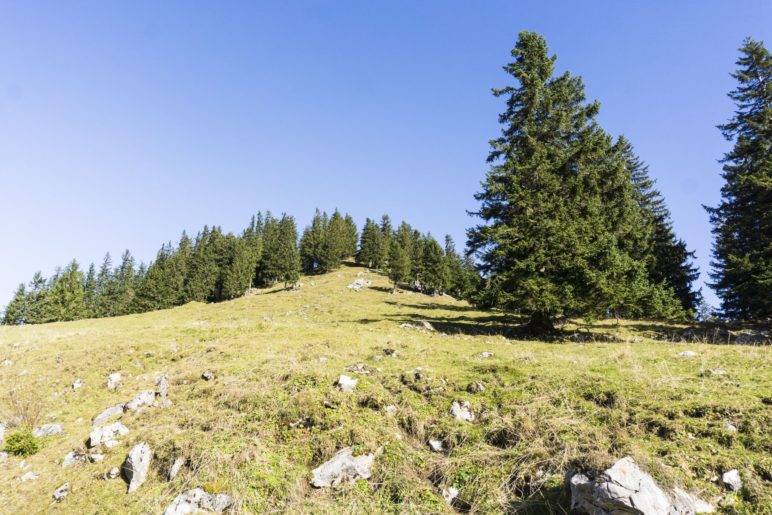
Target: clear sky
x=123 y=123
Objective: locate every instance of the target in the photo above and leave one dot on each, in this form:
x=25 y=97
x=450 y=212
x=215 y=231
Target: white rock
x=142 y=399
x=2 y=432
x=176 y=466
x=137 y=464
x=390 y=410
x=162 y=383
x=346 y=383
x=732 y=480
x=686 y=503
x=198 y=501
x=77 y=384
x=462 y=411
x=486 y=354
x=426 y=325
x=47 y=430
x=112 y=473
x=342 y=467
x=730 y=427
x=107 y=435
x=3 y=456
x=436 y=445
x=687 y=354
x=61 y=492
x=114 y=380
x=73 y=458
x=28 y=476
x=208 y=375
x=358 y=284
x=112 y=411
x=449 y=494
x=7 y=363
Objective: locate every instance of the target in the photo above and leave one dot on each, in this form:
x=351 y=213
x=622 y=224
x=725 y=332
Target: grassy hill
x=275 y=355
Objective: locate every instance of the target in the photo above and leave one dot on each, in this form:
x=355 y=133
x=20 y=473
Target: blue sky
x=123 y=123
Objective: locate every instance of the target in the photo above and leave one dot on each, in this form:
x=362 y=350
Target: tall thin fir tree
x=742 y=222
x=17 y=311
x=399 y=264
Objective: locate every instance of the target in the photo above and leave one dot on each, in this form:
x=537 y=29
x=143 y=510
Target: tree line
x=572 y=224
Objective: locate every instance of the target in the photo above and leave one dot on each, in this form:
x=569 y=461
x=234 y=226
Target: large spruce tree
x=742 y=222
x=557 y=204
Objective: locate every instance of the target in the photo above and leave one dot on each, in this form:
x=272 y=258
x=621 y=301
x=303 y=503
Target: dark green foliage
x=312 y=243
x=387 y=235
x=370 y=245
x=433 y=275
x=17 y=311
x=351 y=237
x=558 y=205
x=66 y=298
x=22 y=443
x=236 y=269
x=281 y=259
x=742 y=222
x=399 y=263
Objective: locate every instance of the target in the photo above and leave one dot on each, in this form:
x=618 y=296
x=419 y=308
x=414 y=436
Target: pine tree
x=17 y=311
x=334 y=244
x=351 y=237
x=742 y=222
x=38 y=303
x=238 y=271
x=203 y=271
x=122 y=294
x=281 y=261
x=433 y=276
x=557 y=203
x=370 y=245
x=455 y=265
x=66 y=297
x=312 y=243
x=399 y=264
x=665 y=257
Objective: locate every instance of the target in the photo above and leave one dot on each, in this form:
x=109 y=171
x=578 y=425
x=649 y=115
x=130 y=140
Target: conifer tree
x=281 y=261
x=370 y=245
x=90 y=291
x=399 y=264
x=455 y=265
x=557 y=204
x=334 y=244
x=123 y=291
x=237 y=272
x=203 y=271
x=312 y=243
x=102 y=306
x=387 y=234
x=17 y=310
x=665 y=257
x=66 y=297
x=38 y=305
x=351 y=237
x=742 y=222
x=433 y=276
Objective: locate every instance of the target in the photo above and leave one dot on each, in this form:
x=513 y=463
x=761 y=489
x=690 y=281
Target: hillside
x=271 y=413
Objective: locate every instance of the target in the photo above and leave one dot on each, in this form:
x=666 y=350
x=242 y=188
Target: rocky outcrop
x=107 y=435
x=142 y=399
x=175 y=468
x=343 y=467
x=137 y=465
x=626 y=489
x=47 y=430
x=111 y=412
x=358 y=284
x=197 y=501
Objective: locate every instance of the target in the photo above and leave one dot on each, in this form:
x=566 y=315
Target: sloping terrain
x=272 y=413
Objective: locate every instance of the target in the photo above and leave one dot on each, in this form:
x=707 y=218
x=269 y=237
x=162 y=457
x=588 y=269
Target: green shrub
x=22 y=443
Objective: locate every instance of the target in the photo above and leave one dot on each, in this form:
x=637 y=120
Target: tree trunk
x=540 y=323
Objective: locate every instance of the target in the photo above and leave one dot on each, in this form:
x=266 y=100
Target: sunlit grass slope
x=545 y=406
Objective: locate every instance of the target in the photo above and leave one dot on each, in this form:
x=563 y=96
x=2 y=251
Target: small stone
x=112 y=473
x=77 y=384
x=390 y=352
x=346 y=384
x=72 y=458
x=95 y=458
x=142 y=399
x=114 y=380
x=61 y=492
x=358 y=284
x=47 y=430
x=730 y=427
x=450 y=494
x=717 y=371
x=7 y=363
x=343 y=467
x=436 y=445
x=197 y=501
x=732 y=480
x=29 y=476
x=462 y=411
x=162 y=383
x=377 y=357
x=3 y=456
x=426 y=325
x=175 y=468
x=207 y=375
x=390 y=410
x=486 y=354
x=112 y=411
x=687 y=354
x=475 y=387
x=358 y=368
x=106 y=435
x=136 y=466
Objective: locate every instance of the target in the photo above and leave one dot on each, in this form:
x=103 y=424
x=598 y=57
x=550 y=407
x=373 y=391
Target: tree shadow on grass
x=713 y=333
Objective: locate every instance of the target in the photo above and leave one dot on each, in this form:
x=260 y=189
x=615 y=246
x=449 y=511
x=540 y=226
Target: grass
x=545 y=407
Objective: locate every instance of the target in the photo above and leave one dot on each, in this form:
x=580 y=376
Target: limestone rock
x=112 y=411
x=7 y=363
x=28 y=476
x=462 y=411
x=197 y=501
x=687 y=354
x=436 y=445
x=175 y=468
x=346 y=384
x=162 y=383
x=136 y=466
x=342 y=467
x=142 y=399
x=3 y=456
x=2 y=431
x=77 y=384
x=208 y=375
x=47 y=430
x=625 y=488
x=390 y=410
x=107 y=435
x=358 y=368
x=449 y=494
x=358 y=284
x=426 y=325
x=112 y=473
x=475 y=387
x=486 y=354
x=732 y=480
x=114 y=380
x=61 y=492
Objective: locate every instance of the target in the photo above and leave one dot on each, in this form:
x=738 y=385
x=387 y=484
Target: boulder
x=175 y=468
x=114 y=380
x=111 y=412
x=343 y=467
x=142 y=399
x=136 y=466
x=346 y=384
x=47 y=430
x=731 y=480
x=462 y=410
x=61 y=492
x=73 y=458
x=426 y=325
x=107 y=435
x=625 y=488
x=197 y=501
